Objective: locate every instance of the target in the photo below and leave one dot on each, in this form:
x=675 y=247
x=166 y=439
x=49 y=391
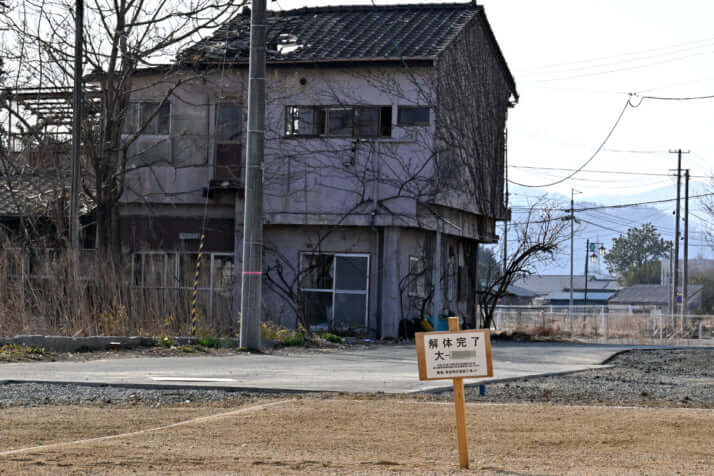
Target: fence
x=46 y=291
x=599 y=322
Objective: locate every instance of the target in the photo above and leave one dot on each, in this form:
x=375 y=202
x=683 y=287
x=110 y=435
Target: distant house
x=594 y=298
x=517 y=296
x=555 y=289
x=644 y=298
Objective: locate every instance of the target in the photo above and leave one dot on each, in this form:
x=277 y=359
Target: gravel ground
x=656 y=378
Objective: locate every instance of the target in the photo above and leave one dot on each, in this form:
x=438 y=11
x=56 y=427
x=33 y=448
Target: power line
x=651 y=202
x=670 y=98
x=618 y=70
x=612 y=172
x=621 y=55
x=597 y=151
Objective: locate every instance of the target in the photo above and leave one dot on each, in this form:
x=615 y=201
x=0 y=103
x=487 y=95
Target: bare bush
x=40 y=294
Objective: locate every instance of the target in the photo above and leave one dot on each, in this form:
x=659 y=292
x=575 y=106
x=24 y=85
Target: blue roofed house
x=555 y=289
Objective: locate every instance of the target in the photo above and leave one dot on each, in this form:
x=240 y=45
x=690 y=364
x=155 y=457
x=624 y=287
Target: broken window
x=317 y=269
x=348 y=121
x=413 y=116
x=335 y=289
x=300 y=121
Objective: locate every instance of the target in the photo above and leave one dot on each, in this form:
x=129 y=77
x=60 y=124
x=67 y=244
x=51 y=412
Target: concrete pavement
x=389 y=368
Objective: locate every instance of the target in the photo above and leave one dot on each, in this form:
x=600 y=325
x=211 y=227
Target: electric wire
x=597 y=151
x=611 y=172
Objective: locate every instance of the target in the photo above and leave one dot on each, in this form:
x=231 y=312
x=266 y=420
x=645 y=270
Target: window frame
x=288 y=132
x=135 y=109
x=172 y=278
x=401 y=123
x=321 y=121
x=217 y=142
x=418 y=279
x=335 y=290
x=326 y=111
x=240 y=107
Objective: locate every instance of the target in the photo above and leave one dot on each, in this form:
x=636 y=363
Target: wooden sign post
x=455 y=354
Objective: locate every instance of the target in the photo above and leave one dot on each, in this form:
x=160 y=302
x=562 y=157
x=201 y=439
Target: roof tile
x=340 y=33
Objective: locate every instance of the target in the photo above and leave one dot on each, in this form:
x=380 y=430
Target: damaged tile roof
x=341 y=33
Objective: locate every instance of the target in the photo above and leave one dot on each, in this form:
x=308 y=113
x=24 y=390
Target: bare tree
x=121 y=38
x=539 y=234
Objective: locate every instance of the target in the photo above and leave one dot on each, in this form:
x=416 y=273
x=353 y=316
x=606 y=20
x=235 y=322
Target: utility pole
x=672 y=294
x=76 y=125
x=676 y=231
x=587 y=258
x=436 y=310
x=505 y=238
x=571 y=217
x=252 y=277
x=685 y=277
x=676 y=234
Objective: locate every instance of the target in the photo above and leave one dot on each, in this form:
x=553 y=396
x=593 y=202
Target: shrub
x=294 y=340
x=329 y=337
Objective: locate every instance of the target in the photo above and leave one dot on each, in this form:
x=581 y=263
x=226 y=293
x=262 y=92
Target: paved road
x=389 y=369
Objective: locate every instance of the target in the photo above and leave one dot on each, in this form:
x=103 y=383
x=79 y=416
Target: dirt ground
x=338 y=435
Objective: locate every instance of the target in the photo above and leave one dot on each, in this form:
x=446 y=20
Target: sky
x=576 y=66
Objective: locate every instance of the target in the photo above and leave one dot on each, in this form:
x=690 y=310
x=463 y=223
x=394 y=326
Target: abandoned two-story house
x=383 y=124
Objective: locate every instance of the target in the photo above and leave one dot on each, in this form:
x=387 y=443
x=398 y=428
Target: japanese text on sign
x=454 y=354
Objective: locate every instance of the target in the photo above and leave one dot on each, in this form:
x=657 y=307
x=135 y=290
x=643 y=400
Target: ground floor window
x=174 y=273
x=335 y=288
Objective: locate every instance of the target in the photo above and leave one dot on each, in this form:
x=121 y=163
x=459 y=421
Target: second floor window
x=338 y=121
x=413 y=116
x=229 y=153
x=151 y=118
x=229 y=122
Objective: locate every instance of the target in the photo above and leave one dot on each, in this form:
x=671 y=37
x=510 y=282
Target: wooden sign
x=452 y=354
x=455 y=355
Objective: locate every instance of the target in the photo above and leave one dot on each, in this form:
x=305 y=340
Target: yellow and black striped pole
x=194 y=297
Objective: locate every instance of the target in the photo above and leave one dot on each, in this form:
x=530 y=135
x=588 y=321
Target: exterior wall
x=474 y=94
x=390 y=277
x=346 y=181
x=283 y=246
x=379 y=197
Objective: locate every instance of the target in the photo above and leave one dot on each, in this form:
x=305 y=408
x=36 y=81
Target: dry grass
x=45 y=292
x=373 y=436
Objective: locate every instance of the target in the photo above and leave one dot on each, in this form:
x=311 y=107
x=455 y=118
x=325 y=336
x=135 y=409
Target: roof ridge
x=397 y=6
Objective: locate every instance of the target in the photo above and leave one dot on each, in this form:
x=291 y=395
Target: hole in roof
x=287 y=43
